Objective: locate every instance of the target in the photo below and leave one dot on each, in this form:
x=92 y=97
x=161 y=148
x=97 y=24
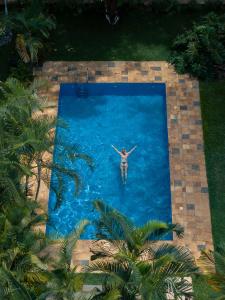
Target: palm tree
x=213 y=265
x=27 y=137
x=16 y=106
x=21 y=263
x=138 y=266
x=31 y=27
x=65 y=281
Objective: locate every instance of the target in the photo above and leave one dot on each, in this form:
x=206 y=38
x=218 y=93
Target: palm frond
x=21 y=48
x=67 y=245
x=112 y=224
x=16 y=289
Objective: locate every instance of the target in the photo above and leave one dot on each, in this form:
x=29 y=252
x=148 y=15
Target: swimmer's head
x=124 y=151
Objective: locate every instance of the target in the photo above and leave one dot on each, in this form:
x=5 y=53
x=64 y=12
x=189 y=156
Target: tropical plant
x=213 y=265
x=65 y=281
x=22 y=72
x=164 y=6
x=26 y=136
x=32 y=28
x=137 y=265
x=22 y=267
x=201 y=50
x=27 y=141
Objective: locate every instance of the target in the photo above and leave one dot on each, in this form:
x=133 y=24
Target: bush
x=201 y=50
x=5 y=34
x=165 y=6
x=23 y=72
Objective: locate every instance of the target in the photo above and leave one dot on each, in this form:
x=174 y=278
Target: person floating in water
x=124 y=163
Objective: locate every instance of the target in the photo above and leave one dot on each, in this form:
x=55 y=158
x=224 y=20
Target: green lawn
x=213 y=112
x=141 y=35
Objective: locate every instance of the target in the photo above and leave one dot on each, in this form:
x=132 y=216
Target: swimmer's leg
x=123 y=174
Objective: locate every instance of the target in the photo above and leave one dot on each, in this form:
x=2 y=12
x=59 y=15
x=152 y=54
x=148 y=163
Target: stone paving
x=189 y=189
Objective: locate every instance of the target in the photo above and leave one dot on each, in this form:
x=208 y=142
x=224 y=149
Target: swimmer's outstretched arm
x=131 y=150
x=116 y=150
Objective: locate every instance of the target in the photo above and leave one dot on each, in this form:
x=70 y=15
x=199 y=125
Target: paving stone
x=200 y=147
x=156 y=68
x=204 y=189
x=197 y=184
x=84 y=262
x=190 y=206
x=201 y=247
x=195 y=167
x=183 y=107
x=91 y=78
x=144 y=73
x=198 y=122
x=172 y=93
x=196 y=103
x=98 y=72
x=124 y=72
x=175 y=151
x=111 y=64
x=124 y=78
x=158 y=78
x=72 y=68
x=177 y=183
x=185 y=136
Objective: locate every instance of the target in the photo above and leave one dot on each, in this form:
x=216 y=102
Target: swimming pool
x=98 y=115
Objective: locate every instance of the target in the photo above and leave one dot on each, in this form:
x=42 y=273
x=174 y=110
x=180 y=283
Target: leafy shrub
x=214 y=4
x=201 y=50
x=31 y=29
x=5 y=34
x=22 y=72
x=165 y=6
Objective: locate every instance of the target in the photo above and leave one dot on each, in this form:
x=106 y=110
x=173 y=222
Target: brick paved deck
x=189 y=189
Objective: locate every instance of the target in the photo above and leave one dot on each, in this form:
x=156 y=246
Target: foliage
x=32 y=29
x=165 y=6
x=22 y=72
x=201 y=51
x=213 y=264
x=135 y=263
x=202 y=290
x=25 y=137
x=64 y=281
x=213 y=110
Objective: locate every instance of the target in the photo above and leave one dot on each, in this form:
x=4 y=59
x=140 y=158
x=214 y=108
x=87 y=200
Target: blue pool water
x=125 y=115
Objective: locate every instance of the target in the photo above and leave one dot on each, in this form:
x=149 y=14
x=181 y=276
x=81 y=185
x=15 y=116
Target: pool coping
x=189 y=188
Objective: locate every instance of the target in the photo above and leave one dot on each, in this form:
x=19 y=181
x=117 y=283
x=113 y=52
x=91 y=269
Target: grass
x=213 y=112
x=139 y=35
